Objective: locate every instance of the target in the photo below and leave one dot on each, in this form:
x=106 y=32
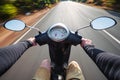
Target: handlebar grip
x=42 y=39
x=74 y=39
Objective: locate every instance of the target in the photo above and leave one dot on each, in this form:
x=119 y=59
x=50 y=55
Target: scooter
x=60 y=39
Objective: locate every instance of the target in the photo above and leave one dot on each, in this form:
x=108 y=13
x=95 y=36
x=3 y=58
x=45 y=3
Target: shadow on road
x=117 y=14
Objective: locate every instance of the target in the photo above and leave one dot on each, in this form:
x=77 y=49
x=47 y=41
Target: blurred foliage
x=109 y=3
x=83 y=1
x=98 y=2
x=7 y=11
x=30 y=5
x=9 y=8
x=115 y=4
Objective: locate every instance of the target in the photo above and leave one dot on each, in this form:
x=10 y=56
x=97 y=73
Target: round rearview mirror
x=15 y=25
x=103 y=23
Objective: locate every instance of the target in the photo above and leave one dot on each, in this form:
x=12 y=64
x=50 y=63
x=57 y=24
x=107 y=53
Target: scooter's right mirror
x=103 y=23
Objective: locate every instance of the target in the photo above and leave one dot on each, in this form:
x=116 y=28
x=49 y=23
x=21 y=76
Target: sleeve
x=9 y=55
x=107 y=62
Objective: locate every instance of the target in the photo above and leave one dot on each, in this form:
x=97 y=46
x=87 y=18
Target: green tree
x=113 y=3
x=7 y=11
x=9 y=8
x=109 y=3
x=24 y=5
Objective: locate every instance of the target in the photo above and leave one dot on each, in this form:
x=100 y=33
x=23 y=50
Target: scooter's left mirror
x=14 y=25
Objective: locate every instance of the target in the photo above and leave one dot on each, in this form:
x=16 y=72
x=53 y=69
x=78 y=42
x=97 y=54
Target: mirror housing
x=14 y=25
x=103 y=22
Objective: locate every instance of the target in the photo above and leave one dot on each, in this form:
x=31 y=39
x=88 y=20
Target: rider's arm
x=10 y=54
x=107 y=62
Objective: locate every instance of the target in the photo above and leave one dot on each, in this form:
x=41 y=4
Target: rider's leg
x=74 y=72
x=43 y=72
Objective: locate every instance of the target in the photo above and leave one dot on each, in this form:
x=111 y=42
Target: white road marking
x=110 y=35
x=22 y=36
x=118 y=41
x=32 y=26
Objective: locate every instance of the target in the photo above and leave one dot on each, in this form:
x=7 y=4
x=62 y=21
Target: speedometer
x=58 y=32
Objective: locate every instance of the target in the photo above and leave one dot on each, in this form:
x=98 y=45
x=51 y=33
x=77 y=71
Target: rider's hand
x=86 y=42
x=32 y=40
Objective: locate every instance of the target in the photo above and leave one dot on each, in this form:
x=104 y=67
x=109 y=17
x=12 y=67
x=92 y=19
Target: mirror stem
x=80 y=29
x=34 y=29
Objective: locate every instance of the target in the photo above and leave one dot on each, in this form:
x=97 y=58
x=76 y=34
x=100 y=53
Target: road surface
x=74 y=16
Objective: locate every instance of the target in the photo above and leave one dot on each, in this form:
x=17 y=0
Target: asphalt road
x=74 y=16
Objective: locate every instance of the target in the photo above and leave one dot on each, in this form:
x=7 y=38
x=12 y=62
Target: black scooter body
x=59 y=52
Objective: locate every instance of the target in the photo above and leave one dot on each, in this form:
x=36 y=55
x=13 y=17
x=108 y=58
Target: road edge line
x=114 y=38
x=32 y=26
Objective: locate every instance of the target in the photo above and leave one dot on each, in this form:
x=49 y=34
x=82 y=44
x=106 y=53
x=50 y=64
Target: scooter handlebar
x=42 y=38
x=73 y=39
